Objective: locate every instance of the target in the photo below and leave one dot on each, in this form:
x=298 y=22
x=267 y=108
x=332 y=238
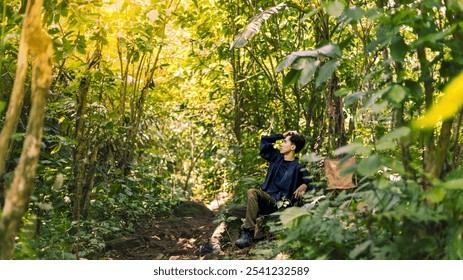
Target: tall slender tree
x=37 y=41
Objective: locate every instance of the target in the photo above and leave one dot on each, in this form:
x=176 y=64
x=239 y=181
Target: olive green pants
x=258 y=203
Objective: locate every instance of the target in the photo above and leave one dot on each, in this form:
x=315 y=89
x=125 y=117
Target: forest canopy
x=116 y=111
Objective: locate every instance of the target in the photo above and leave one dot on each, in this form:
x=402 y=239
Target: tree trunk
x=335 y=115
x=14 y=110
x=456 y=148
x=82 y=153
x=429 y=153
x=398 y=117
x=443 y=147
x=18 y=194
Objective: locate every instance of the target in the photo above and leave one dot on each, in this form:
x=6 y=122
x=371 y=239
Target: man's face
x=286 y=146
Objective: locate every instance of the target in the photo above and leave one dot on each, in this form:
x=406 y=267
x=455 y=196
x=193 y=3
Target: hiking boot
x=245 y=240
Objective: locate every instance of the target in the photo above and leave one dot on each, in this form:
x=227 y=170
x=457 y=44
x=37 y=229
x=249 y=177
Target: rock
x=192 y=209
x=125 y=243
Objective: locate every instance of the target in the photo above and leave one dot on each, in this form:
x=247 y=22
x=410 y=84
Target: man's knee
x=236 y=211
x=252 y=193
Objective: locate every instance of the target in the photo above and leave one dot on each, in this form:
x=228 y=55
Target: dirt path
x=177 y=237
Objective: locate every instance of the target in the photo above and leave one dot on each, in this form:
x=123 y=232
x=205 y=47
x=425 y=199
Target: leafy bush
x=378 y=220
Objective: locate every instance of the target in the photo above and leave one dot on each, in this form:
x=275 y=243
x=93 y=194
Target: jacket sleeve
x=267 y=151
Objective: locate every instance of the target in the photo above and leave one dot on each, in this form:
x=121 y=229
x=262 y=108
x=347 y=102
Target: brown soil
x=177 y=237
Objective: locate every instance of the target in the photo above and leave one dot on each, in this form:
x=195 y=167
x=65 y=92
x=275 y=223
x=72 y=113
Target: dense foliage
x=155 y=102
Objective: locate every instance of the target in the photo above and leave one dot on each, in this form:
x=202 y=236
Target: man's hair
x=297 y=140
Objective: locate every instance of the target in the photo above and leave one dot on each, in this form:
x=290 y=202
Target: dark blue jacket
x=295 y=175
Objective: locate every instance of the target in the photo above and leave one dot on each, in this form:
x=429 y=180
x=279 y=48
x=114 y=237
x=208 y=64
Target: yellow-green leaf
x=456 y=184
x=436 y=195
x=447 y=107
x=291 y=214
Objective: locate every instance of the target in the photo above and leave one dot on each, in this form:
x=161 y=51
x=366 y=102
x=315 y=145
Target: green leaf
x=291 y=214
x=331 y=50
x=293 y=57
x=2 y=106
x=355 y=13
x=454 y=174
x=326 y=71
x=81 y=49
x=433 y=37
x=436 y=195
x=56 y=148
x=397 y=133
x=397 y=94
x=414 y=88
x=291 y=77
x=349 y=149
x=377 y=96
x=353 y=97
x=387 y=142
x=360 y=249
x=456 y=5
x=455 y=244
x=369 y=166
x=17 y=136
x=308 y=72
x=399 y=48
x=300 y=63
x=456 y=184
x=341 y=92
x=379 y=107
x=335 y=8
x=254 y=26
x=386 y=145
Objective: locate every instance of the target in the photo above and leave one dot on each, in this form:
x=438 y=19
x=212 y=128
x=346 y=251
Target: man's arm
x=267 y=150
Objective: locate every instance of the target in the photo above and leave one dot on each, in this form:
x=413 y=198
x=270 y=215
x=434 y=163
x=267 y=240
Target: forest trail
x=179 y=236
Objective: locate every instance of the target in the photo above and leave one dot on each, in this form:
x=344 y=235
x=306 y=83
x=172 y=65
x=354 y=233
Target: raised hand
x=288 y=133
